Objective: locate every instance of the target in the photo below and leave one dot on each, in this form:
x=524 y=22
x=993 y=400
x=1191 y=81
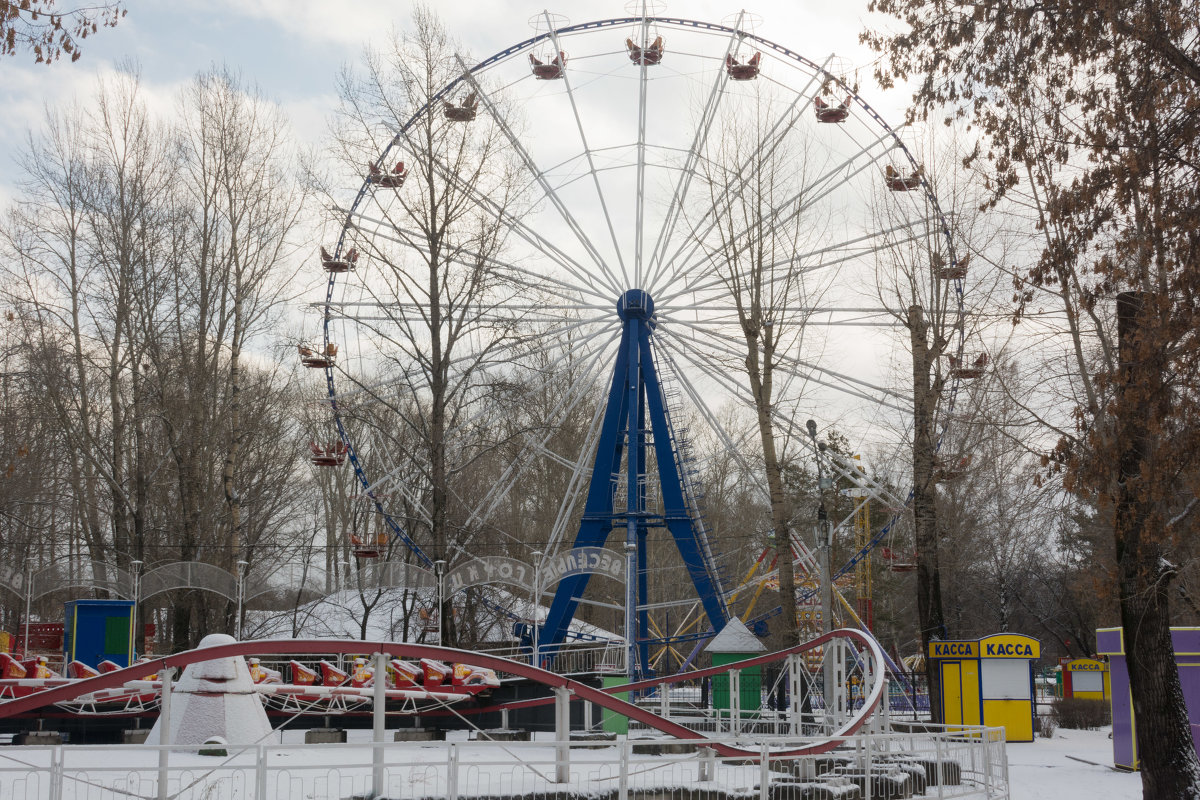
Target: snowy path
x=1044 y=769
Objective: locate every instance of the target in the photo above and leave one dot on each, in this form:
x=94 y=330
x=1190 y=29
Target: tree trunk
x=929 y=581
x=1170 y=768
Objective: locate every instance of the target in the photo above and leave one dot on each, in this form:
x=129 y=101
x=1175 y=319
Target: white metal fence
x=964 y=763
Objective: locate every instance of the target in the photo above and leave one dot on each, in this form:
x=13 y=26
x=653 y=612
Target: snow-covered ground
x=1074 y=765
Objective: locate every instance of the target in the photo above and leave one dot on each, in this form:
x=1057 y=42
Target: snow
x=393 y=617
x=215 y=699
x=735 y=637
x=1073 y=765
x=1058 y=769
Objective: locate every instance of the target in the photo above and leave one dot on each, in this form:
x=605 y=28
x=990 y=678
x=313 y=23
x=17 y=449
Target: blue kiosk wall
x=98 y=630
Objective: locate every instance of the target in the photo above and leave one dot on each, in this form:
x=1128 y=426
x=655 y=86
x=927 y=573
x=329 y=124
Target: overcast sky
x=294 y=49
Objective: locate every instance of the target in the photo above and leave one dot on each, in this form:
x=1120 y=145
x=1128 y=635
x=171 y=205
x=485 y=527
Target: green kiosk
x=988 y=681
x=736 y=643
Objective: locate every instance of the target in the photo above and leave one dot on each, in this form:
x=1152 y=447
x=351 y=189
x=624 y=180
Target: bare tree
x=755 y=176
x=435 y=270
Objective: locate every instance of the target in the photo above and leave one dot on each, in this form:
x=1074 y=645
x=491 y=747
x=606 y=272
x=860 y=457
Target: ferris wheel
x=601 y=220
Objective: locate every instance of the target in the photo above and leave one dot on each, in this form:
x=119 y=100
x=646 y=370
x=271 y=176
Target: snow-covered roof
x=735 y=637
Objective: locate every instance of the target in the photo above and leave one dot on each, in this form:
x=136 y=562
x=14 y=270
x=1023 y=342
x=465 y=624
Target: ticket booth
x=1111 y=642
x=988 y=681
x=1086 y=679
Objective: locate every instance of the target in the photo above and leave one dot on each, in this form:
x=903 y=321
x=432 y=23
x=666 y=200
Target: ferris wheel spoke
x=720 y=373
x=568 y=290
x=789 y=208
x=799 y=261
x=806 y=371
x=505 y=356
x=640 y=199
x=734 y=448
x=586 y=280
x=612 y=232
x=577 y=393
x=699 y=139
x=742 y=174
x=534 y=446
x=539 y=176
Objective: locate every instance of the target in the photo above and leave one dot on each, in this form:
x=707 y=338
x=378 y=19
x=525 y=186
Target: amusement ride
x=644 y=155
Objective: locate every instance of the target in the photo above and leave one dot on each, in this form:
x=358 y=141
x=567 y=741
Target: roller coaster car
x=38 y=669
x=331 y=675
x=10 y=668
x=964 y=372
x=898 y=183
x=952 y=272
x=302 y=675
x=464 y=112
x=371 y=547
x=21 y=679
x=404 y=674
x=403 y=677
x=388 y=180
x=742 y=72
x=548 y=70
x=263 y=675
x=826 y=112
x=346 y=263
x=645 y=56
x=331 y=455
x=318 y=359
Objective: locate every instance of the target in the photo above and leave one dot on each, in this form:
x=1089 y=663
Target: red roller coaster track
x=865 y=642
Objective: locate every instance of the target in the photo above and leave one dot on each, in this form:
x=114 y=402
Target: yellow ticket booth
x=988 y=681
x=1087 y=679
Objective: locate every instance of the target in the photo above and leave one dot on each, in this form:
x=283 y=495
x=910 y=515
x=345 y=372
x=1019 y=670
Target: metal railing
x=931 y=762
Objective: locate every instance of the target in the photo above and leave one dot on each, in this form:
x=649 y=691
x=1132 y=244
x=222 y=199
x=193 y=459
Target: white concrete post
x=938 y=769
x=764 y=773
x=562 y=734
x=795 y=691
x=57 y=770
x=664 y=701
x=735 y=701
x=867 y=760
x=452 y=773
x=623 y=779
x=379 y=720
x=707 y=764
x=260 y=773
x=164 y=725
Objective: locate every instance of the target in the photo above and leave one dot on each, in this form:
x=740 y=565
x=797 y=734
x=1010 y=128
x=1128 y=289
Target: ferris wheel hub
x=635 y=304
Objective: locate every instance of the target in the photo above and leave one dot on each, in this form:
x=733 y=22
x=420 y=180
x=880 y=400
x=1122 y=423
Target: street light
x=439 y=569
x=241 y=596
x=824 y=537
x=537 y=597
x=138 y=631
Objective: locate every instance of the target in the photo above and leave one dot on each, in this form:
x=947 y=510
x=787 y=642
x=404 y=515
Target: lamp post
x=241 y=597
x=28 y=604
x=439 y=570
x=136 y=568
x=537 y=598
x=824 y=541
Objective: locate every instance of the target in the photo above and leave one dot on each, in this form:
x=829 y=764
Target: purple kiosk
x=1111 y=642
